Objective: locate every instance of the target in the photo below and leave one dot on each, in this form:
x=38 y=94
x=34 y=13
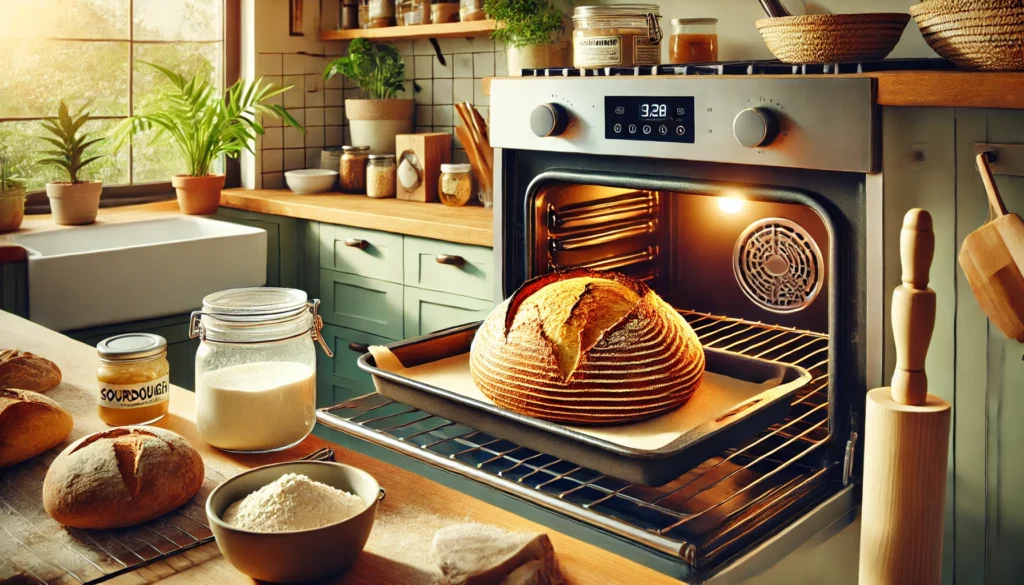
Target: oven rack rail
x=710 y=505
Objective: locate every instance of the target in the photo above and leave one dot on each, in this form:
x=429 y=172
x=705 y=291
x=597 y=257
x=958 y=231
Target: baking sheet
x=717 y=395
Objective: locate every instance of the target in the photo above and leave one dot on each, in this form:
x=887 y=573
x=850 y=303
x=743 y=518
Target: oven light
x=730 y=203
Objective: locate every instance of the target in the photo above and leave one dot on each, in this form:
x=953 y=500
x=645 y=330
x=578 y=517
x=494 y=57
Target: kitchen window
x=89 y=53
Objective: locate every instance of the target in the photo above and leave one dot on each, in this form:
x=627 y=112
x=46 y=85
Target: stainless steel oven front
x=754 y=206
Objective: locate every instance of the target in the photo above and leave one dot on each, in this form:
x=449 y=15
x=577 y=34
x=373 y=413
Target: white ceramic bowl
x=307 y=181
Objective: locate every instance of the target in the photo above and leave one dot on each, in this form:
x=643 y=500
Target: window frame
x=117 y=195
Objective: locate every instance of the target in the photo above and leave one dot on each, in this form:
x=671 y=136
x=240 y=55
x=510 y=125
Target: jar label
x=135 y=395
x=598 y=51
x=646 y=52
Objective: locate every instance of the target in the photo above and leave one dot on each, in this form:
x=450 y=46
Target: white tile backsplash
x=317 y=104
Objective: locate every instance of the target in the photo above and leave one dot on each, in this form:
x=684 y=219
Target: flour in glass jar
x=256 y=406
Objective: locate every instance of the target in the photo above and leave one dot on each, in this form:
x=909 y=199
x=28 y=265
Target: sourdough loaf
x=120 y=477
x=586 y=347
x=30 y=424
x=27 y=371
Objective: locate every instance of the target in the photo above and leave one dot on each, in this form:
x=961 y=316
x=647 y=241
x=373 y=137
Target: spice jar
x=455 y=187
x=380 y=176
x=352 y=173
x=412 y=12
x=349 y=14
x=380 y=13
x=256 y=368
x=624 y=35
x=693 y=40
x=441 y=12
x=471 y=10
x=134 y=379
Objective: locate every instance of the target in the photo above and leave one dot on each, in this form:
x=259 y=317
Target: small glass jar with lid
x=256 y=368
x=455 y=186
x=134 y=379
x=380 y=176
x=471 y=10
x=352 y=173
x=348 y=14
x=379 y=13
x=693 y=40
x=619 y=35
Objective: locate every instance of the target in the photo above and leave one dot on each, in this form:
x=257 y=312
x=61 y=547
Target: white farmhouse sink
x=115 y=273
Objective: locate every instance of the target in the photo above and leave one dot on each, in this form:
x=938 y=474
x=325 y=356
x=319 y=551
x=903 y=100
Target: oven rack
x=706 y=515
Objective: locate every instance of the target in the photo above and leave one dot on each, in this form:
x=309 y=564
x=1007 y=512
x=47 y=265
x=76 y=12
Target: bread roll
x=27 y=371
x=30 y=424
x=586 y=347
x=121 y=477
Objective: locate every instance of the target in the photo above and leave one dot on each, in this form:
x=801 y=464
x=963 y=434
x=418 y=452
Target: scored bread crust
x=121 y=477
x=645 y=364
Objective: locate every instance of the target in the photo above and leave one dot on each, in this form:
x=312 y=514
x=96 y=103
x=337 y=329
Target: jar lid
x=131 y=346
x=616 y=10
x=456 y=168
x=245 y=304
x=381 y=156
x=685 y=21
x=355 y=148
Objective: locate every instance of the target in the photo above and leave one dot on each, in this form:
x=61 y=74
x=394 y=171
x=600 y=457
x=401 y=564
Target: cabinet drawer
x=447 y=267
x=339 y=378
x=364 y=304
x=366 y=253
x=427 y=311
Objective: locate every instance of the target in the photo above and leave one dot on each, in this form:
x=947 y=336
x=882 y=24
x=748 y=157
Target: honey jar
x=134 y=384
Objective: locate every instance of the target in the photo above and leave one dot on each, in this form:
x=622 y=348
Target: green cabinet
x=284 y=250
x=340 y=379
x=181 y=351
x=14 y=288
x=427 y=311
x=367 y=253
x=449 y=267
x=363 y=304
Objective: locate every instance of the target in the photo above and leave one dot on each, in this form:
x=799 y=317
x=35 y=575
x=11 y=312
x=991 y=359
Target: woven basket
x=833 y=38
x=982 y=35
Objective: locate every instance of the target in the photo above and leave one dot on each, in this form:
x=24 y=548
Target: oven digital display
x=653 y=119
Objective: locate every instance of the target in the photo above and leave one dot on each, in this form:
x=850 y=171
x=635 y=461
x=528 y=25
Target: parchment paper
x=717 y=395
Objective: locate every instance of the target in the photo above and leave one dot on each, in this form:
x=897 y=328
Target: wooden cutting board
x=992 y=258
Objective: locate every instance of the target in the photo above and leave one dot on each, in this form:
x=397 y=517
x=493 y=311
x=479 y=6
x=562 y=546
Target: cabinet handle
x=450 y=260
x=359 y=347
x=357 y=243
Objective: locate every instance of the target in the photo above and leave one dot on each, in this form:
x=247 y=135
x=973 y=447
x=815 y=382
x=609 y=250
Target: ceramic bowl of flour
x=291 y=556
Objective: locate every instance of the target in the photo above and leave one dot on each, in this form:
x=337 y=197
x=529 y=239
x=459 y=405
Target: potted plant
x=204 y=125
x=379 y=72
x=528 y=27
x=74 y=201
x=12 y=195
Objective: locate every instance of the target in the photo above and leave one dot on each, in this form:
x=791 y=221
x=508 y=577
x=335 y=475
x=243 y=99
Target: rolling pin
x=906 y=436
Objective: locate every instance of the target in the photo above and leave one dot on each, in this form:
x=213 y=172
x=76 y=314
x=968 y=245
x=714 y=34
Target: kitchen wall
x=738 y=37
x=319 y=105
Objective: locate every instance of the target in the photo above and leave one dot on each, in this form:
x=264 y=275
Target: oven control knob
x=549 y=120
x=754 y=127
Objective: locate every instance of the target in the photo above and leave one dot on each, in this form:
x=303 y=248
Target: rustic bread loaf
x=27 y=371
x=120 y=477
x=586 y=347
x=30 y=424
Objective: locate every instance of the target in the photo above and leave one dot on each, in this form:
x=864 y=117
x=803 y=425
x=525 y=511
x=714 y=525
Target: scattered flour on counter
x=293 y=502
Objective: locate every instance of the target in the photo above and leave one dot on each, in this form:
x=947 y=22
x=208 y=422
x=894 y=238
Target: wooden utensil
x=907 y=436
x=992 y=258
x=479 y=169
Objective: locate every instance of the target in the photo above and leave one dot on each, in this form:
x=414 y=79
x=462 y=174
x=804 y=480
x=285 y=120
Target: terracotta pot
x=74 y=203
x=375 y=123
x=537 y=57
x=12 y=209
x=198 y=195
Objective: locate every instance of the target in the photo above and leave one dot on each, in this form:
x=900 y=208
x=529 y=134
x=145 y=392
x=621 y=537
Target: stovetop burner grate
x=766 y=67
x=706 y=515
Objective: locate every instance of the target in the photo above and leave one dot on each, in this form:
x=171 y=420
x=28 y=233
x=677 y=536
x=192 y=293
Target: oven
x=752 y=205
x=749 y=204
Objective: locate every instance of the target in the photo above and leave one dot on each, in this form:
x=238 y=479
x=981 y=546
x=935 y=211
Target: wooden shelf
x=449 y=30
x=949 y=89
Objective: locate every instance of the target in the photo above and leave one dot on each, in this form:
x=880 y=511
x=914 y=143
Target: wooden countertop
x=951 y=89
x=464 y=225
x=419 y=504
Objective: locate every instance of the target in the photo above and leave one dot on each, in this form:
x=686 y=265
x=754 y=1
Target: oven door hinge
x=848 y=458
